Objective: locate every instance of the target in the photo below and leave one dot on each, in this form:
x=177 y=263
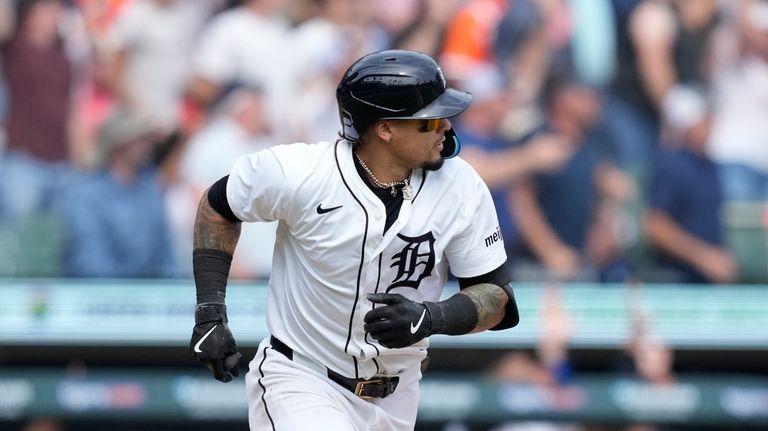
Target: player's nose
x=445 y=125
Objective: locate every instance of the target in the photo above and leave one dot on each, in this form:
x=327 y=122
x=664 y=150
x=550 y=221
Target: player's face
x=419 y=142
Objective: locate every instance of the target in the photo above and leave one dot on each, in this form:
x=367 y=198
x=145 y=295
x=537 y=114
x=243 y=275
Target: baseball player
x=368 y=225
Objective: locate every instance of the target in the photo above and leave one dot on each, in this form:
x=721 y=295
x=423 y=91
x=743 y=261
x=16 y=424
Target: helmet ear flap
x=348 y=130
x=451 y=144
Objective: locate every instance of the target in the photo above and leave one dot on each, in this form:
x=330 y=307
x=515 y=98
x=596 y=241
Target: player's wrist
x=436 y=319
x=210 y=312
x=456 y=315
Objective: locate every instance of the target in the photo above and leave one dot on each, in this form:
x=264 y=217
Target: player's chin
x=433 y=165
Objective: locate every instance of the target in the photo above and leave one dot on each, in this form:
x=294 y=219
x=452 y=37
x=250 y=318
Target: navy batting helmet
x=397 y=84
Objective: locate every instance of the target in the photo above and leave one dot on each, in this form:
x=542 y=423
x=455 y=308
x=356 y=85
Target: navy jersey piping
x=362 y=254
x=378 y=279
x=421 y=186
x=264 y=389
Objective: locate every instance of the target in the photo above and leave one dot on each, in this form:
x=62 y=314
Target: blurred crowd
x=548 y=372
x=621 y=139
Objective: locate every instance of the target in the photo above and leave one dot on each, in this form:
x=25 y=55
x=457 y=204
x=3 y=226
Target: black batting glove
x=212 y=341
x=400 y=322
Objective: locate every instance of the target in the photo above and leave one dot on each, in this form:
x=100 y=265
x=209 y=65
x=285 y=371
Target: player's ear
x=383 y=129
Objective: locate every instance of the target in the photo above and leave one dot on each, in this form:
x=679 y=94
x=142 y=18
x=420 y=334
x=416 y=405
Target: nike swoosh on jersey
x=200 y=342
x=321 y=210
x=415 y=327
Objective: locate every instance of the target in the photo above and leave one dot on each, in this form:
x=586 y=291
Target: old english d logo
x=414 y=262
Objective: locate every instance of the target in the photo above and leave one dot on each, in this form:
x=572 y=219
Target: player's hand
x=212 y=342
x=399 y=323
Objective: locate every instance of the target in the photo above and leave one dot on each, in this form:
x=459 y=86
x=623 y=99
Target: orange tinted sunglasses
x=430 y=125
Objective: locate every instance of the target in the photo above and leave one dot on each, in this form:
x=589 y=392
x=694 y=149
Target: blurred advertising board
x=148 y=394
x=147 y=313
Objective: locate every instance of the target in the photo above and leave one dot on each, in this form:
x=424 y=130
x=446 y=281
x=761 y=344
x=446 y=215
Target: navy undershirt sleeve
x=217 y=199
x=500 y=278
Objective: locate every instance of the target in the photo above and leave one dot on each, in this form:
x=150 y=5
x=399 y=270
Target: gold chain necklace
x=407 y=192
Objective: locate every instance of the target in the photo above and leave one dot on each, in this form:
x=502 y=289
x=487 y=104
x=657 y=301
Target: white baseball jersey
x=331 y=249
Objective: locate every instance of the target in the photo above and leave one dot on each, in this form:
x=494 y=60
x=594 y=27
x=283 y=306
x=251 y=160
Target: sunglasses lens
x=431 y=125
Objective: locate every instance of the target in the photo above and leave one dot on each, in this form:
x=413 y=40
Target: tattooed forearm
x=491 y=301
x=214 y=231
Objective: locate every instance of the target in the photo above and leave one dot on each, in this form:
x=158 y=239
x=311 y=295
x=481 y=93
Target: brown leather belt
x=377 y=387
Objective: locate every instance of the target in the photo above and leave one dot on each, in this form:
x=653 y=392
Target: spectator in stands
x=248 y=44
x=661 y=43
x=238 y=125
x=416 y=25
x=469 y=36
x=532 y=37
x=7 y=23
x=674 y=52
x=151 y=46
x=683 y=222
x=516 y=35
x=496 y=159
x=40 y=77
x=556 y=211
x=321 y=50
x=97 y=98
x=116 y=219
x=511 y=34
x=739 y=140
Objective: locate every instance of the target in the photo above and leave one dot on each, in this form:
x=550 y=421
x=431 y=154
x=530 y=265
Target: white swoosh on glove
x=415 y=327
x=199 y=343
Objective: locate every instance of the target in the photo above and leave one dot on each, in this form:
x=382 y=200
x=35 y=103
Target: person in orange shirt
x=469 y=36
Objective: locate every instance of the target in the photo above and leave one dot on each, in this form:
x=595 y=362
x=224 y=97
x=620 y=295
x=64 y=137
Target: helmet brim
x=449 y=104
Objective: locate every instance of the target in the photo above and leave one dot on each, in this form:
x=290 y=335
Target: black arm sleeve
x=217 y=199
x=211 y=270
x=500 y=278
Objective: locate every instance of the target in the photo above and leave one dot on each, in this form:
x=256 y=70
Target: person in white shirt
x=151 y=45
x=739 y=139
x=249 y=45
